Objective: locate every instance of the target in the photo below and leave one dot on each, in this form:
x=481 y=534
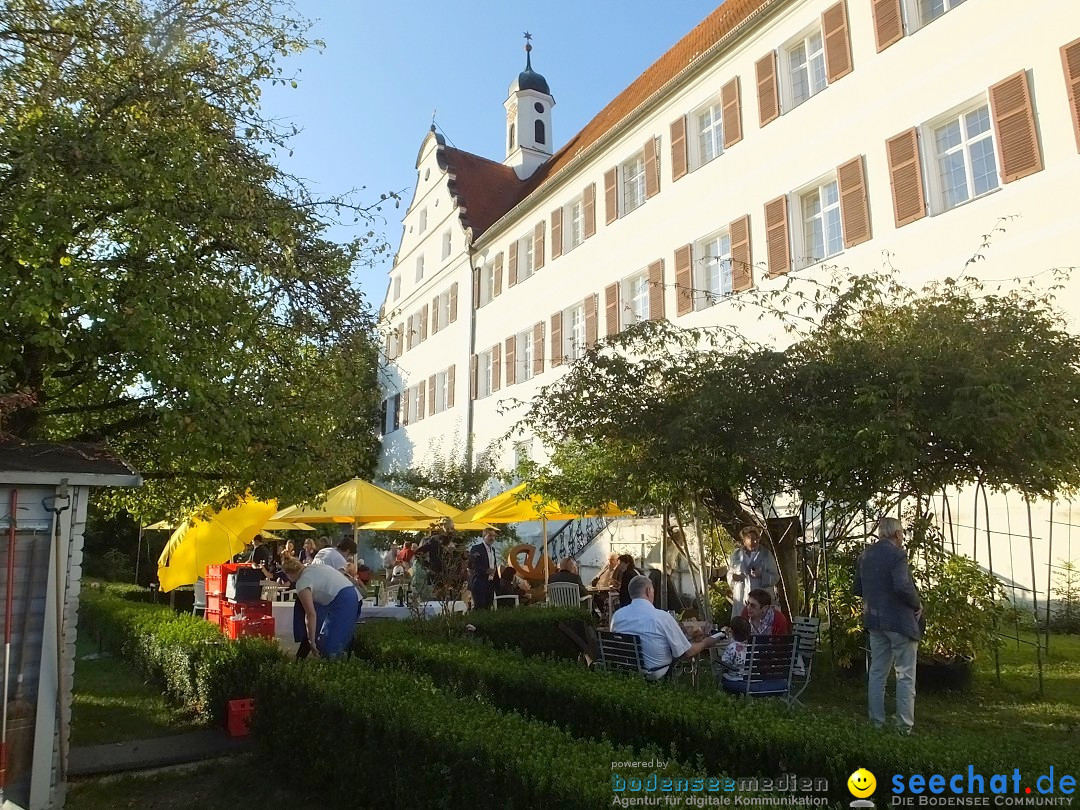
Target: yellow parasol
x=275 y=525
x=442 y=507
x=208 y=540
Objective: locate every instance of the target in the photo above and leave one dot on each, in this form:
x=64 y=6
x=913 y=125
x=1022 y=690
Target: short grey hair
x=888 y=528
x=639 y=586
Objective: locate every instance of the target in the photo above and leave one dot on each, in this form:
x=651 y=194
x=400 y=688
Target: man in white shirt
x=336 y=558
x=662 y=640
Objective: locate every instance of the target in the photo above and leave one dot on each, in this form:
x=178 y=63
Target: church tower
x=528 y=119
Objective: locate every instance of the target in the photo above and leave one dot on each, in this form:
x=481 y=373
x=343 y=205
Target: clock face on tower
x=511 y=112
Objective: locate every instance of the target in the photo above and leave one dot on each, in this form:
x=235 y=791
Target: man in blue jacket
x=891 y=614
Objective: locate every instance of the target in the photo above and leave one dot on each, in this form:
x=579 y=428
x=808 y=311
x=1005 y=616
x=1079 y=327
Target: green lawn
x=112 y=703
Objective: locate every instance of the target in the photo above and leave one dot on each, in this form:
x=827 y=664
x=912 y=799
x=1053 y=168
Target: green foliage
x=167 y=288
x=1066 y=615
x=112 y=565
x=445 y=751
x=197 y=668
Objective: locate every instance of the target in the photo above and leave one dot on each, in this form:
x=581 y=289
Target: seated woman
x=765 y=618
x=506 y=585
x=330 y=605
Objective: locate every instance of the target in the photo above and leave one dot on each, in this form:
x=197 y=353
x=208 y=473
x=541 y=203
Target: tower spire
x=528 y=51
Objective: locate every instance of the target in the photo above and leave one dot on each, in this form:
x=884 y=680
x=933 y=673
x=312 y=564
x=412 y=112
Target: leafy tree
x=166 y=288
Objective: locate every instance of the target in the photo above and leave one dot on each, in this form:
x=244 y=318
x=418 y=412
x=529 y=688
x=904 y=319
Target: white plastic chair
x=566 y=594
x=508 y=600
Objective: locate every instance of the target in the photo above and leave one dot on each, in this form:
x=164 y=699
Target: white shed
x=44 y=489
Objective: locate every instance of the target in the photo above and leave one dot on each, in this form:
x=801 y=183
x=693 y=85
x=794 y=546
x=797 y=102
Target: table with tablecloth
x=283 y=613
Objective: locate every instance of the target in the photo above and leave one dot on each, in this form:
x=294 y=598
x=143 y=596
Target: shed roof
x=79 y=463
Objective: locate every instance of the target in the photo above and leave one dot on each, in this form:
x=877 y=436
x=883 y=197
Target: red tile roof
x=489 y=190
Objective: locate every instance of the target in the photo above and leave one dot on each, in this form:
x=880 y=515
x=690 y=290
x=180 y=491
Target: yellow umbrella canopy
x=509 y=507
x=277 y=525
x=358 y=501
x=209 y=540
x=441 y=507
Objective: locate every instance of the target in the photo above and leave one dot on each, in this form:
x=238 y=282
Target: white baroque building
x=777 y=137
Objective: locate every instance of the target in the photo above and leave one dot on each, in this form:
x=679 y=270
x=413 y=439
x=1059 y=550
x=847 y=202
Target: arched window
x=539 y=134
x=510 y=142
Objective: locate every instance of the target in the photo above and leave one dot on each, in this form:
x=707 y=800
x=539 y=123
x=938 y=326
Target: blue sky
x=365 y=103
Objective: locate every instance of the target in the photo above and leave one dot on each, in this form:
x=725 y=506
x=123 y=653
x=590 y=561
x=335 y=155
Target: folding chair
x=199 y=605
x=621 y=652
x=567 y=594
x=806 y=632
x=769 y=663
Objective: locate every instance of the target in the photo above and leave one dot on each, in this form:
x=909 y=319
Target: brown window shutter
x=742 y=273
x=453 y=302
x=424 y=322
x=400 y=349
x=406 y=406
x=888 y=23
x=498 y=275
x=592 y=327
x=386 y=353
x=611 y=198
x=511 y=359
x=834 y=26
x=556 y=340
x=731 y=112
x=538 y=246
x=431 y=395
x=684 y=280
x=768 y=94
x=777 y=238
x=854 y=202
x=474 y=376
x=905 y=175
x=611 y=308
x=434 y=314
x=511 y=265
x=680 y=160
x=1070 y=62
x=652 y=167
x=1014 y=128
x=409 y=333
x=476 y=288
x=556 y=233
x=656 y=291
x=588 y=211
x=496 y=367
x=451 y=380
x=538 y=348
x=421 y=391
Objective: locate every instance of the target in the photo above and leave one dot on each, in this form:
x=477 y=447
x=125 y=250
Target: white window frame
x=703 y=133
x=574 y=331
x=393 y=415
x=422 y=223
x=573 y=224
x=632 y=183
x=442 y=311
x=441 y=390
x=526 y=259
x=914 y=10
x=801 y=230
x=485 y=374
x=419 y=268
x=712 y=259
x=397 y=287
x=634 y=299
x=523 y=357
x=787 y=73
x=487 y=283
x=932 y=158
x=413 y=404
x=447 y=244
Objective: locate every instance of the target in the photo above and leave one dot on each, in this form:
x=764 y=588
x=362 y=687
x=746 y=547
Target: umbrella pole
x=544 y=561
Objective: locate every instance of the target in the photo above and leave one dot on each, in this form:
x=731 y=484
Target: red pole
x=8 y=606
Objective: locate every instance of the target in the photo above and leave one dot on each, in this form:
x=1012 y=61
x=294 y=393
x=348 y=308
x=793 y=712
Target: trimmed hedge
x=418 y=746
x=195 y=665
x=713 y=729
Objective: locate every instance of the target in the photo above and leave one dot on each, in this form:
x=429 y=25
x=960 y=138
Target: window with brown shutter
x=834 y=26
x=742 y=275
x=538 y=348
x=652 y=167
x=511 y=357
x=768 y=94
x=731 y=112
x=400 y=340
x=451 y=381
x=387 y=351
x=453 y=302
x=556 y=233
x=421 y=399
x=905 y=176
x=423 y=323
x=684 y=280
x=474 y=376
x=592 y=327
x=511 y=265
x=611 y=309
x=435 y=315
x=556 y=340
x=498 y=275
x=679 y=158
x=611 y=195
x=1070 y=63
x=496 y=367
x=1014 y=128
x=854 y=202
x=589 y=209
x=476 y=288
x=538 y=246
x=406 y=406
x=656 y=291
x=431 y=395
x=888 y=23
x=777 y=236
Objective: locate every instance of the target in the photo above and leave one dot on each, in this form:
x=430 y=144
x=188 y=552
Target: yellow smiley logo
x=861 y=783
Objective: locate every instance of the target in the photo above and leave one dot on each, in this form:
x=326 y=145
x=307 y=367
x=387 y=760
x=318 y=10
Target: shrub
x=422 y=747
x=197 y=667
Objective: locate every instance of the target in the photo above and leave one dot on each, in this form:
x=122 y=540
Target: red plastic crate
x=238 y=717
x=238 y=626
x=261 y=608
x=215 y=581
x=213 y=603
x=214 y=617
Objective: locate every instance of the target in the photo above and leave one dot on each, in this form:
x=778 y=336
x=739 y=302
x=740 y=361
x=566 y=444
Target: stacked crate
x=236 y=612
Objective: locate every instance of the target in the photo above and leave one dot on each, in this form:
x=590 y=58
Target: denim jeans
x=889 y=650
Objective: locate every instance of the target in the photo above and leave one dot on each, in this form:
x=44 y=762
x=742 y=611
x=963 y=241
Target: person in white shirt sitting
x=336 y=558
x=662 y=640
